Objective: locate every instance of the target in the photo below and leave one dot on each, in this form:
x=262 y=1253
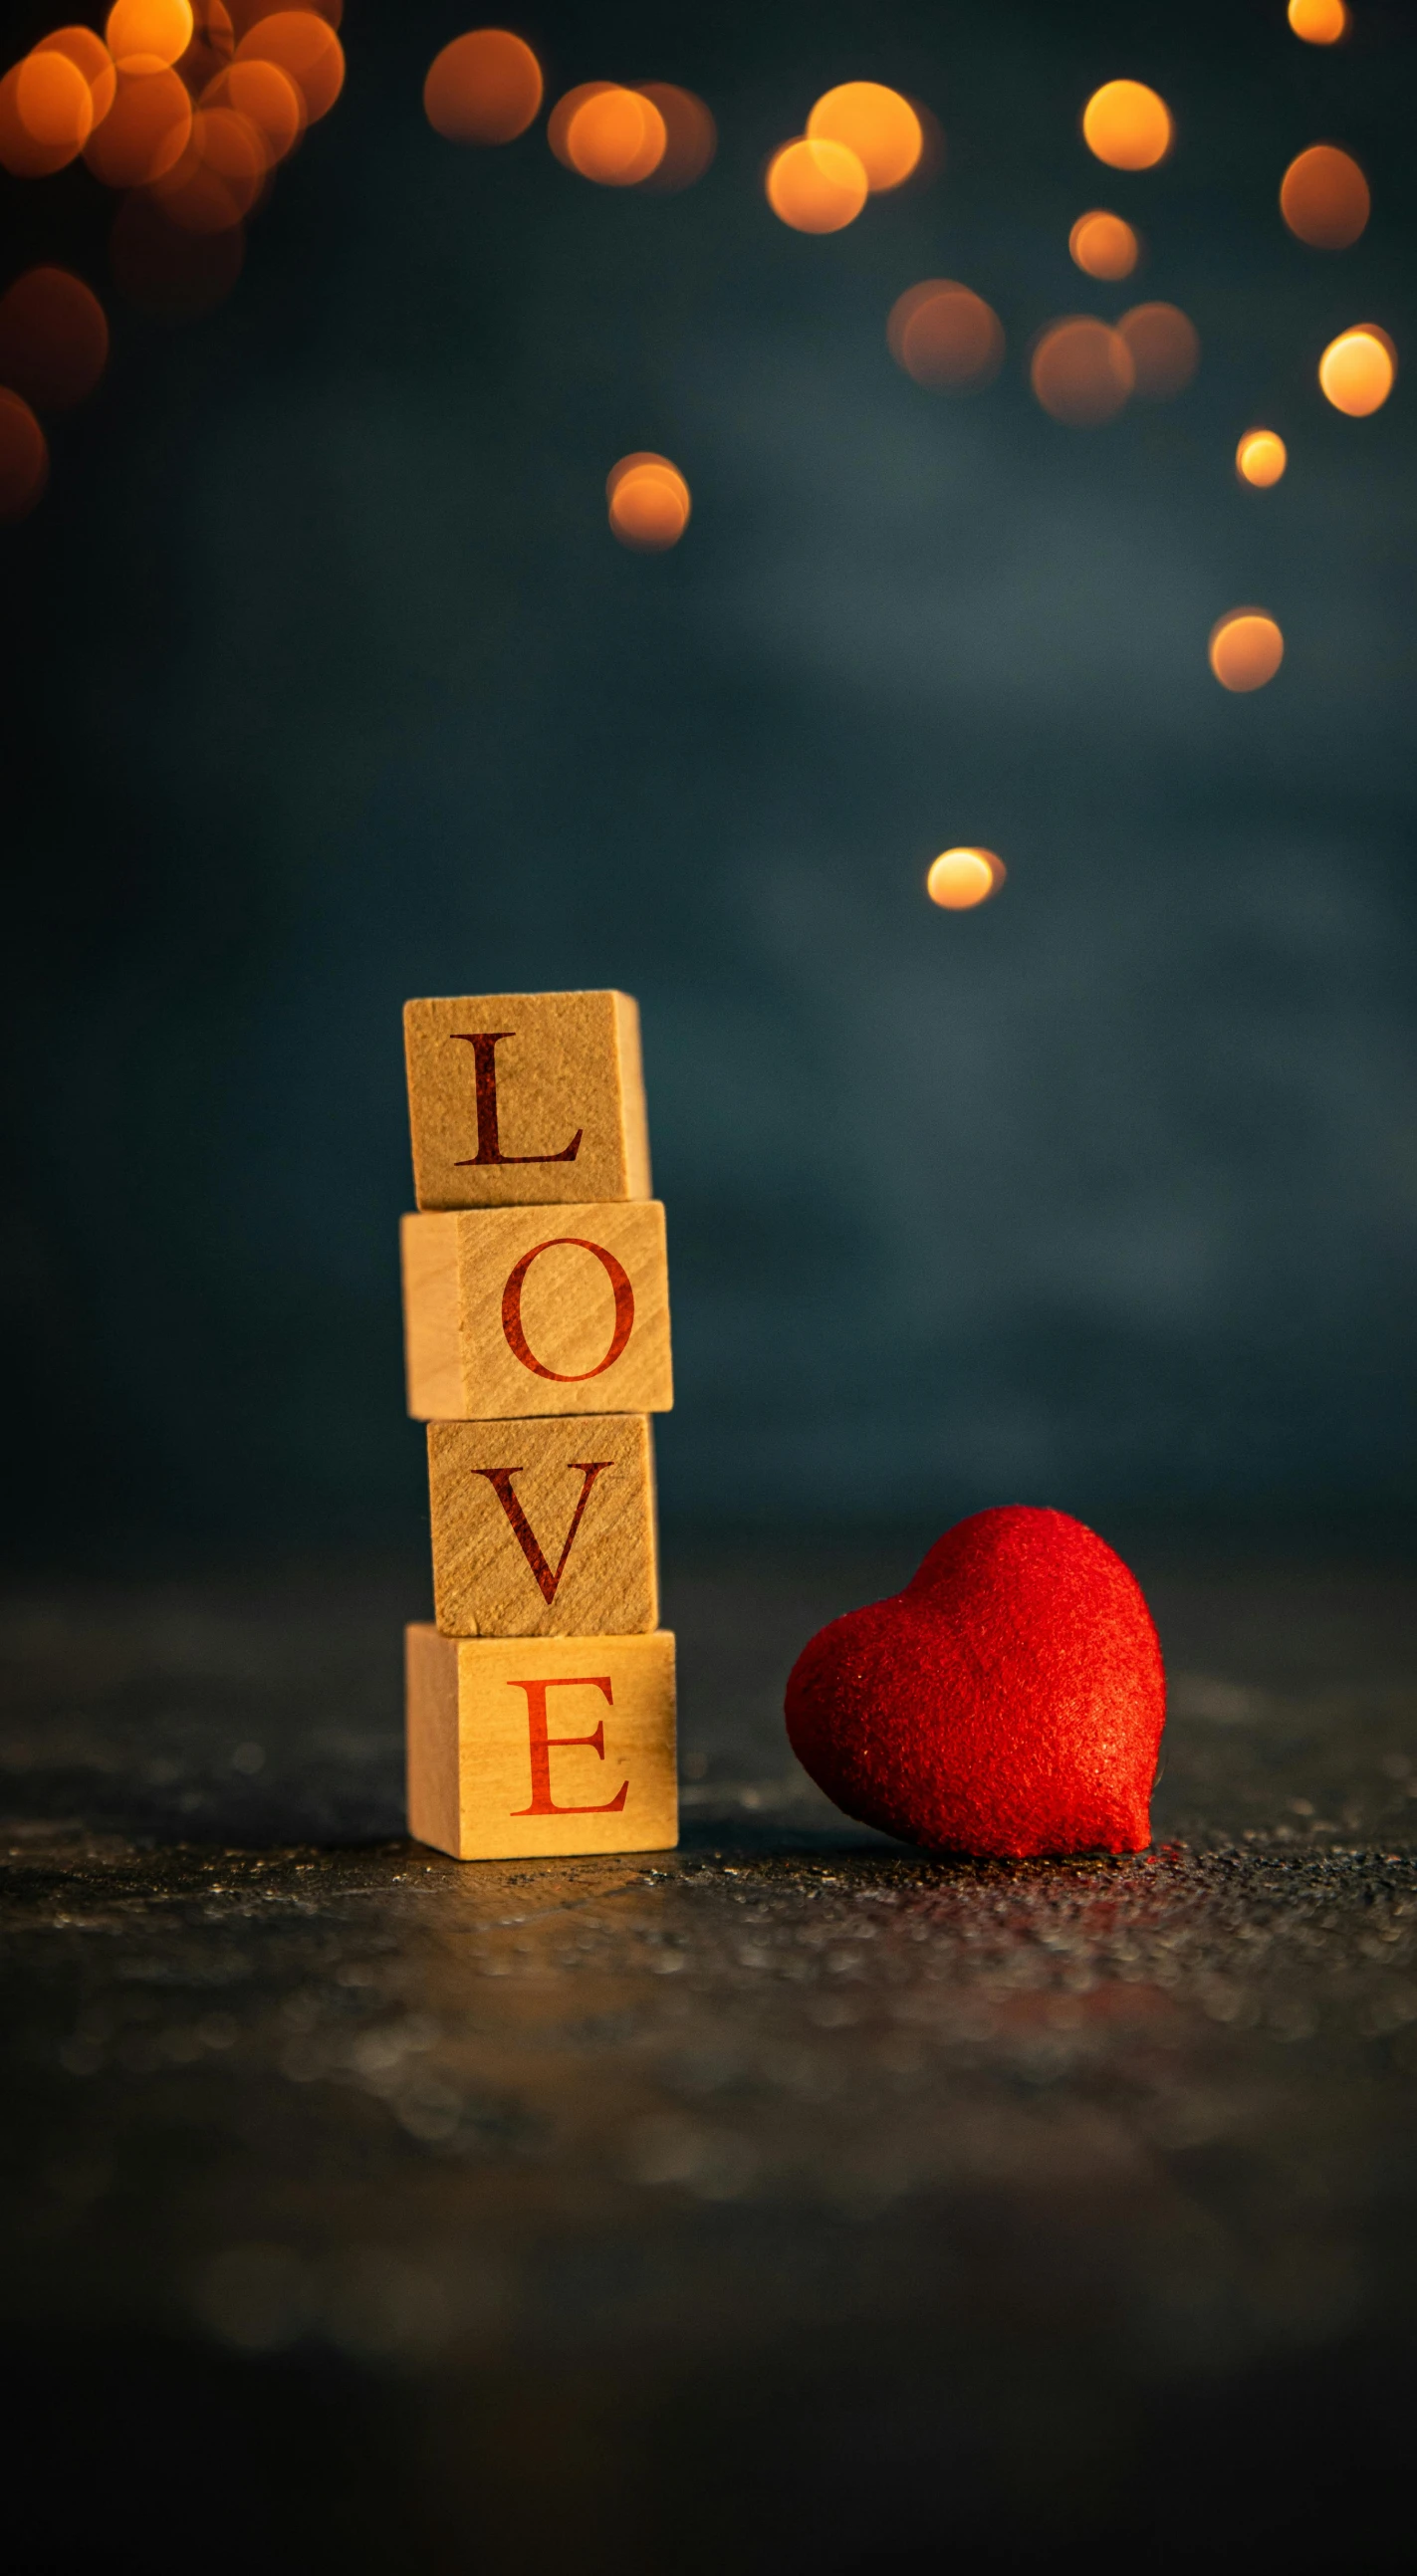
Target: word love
x=540 y=1704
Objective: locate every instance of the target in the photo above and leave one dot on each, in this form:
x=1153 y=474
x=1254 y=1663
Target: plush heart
x=1009 y=1701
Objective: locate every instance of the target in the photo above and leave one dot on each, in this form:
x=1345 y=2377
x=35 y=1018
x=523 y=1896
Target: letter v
x=500 y=1480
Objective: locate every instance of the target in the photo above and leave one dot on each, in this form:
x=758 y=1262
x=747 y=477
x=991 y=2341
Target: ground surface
x=792 y=2200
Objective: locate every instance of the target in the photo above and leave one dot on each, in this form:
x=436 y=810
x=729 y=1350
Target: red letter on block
x=544 y=1745
x=489 y=1146
x=500 y=1480
x=619 y=1279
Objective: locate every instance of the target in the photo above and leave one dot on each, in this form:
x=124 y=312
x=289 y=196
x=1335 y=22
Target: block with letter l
x=525 y=1099
x=530 y=1310
x=519 y=1746
x=544 y=1528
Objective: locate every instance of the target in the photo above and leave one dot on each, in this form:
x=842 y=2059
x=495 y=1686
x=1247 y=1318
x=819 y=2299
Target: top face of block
x=526 y=1099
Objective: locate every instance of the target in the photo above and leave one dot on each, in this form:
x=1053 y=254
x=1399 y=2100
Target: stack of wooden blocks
x=536 y=1325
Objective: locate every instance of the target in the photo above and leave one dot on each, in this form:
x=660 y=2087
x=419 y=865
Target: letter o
x=619 y=1280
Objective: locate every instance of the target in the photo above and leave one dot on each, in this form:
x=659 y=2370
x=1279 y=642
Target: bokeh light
x=304 y=45
x=649 y=502
x=146 y=130
x=167 y=272
x=615 y=137
x=816 y=187
x=875 y=123
x=1324 y=198
x=483 y=88
x=945 y=336
x=1359 y=369
x=1126 y=125
x=1318 y=22
x=46 y=114
x=91 y=56
x=1164 y=347
x=53 y=338
x=24 y=457
x=1103 y=245
x=219 y=177
x=959 y=879
x=267 y=98
x=558 y=122
x=146 y=32
x=1261 y=458
x=1246 y=649
x=1082 y=371
x=691 y=137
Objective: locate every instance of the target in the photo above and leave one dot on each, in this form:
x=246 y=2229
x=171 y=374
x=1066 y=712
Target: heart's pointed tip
x=1007 y=1705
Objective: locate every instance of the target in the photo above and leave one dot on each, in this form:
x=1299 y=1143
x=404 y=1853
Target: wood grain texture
x=561 y=1744
x=510 y=1312
x=543 y=1528
x=553 y=1111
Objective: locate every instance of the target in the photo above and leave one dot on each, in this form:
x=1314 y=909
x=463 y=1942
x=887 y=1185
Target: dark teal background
x=326 y=684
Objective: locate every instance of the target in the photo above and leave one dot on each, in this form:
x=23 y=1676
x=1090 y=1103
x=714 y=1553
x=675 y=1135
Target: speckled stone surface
x=792 y=2200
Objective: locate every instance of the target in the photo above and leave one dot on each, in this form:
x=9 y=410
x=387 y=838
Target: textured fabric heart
x=1009 y=1701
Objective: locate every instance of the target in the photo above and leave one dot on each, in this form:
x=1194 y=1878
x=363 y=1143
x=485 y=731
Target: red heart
x=1010 y=1700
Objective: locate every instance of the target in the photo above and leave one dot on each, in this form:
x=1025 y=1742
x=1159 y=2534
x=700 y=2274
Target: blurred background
x=327 y=684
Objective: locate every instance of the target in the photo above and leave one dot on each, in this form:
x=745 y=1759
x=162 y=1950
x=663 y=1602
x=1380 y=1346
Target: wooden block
x=544 y=1528
x=524 y=1099
x=515 y=1311
x=559 y=1744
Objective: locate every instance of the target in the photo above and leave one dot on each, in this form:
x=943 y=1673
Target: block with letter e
x=527 y=1745
x=525 y=1099
x=533 y=1310
x=543 y=1528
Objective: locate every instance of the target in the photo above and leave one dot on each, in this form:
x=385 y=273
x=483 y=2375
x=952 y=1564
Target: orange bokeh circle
x=875 y=123
x=148 y=31
x=816 y=187
x=303 y=44
x=649 y=501
x=961 y=878
x=1324 y=198
x=1261 y=458
x=945 y=336
x=1082 y=371
x=1358 y=370
x=1103 y=245
x=1246 y=649
x=266 y=97
x=1318 y=22
x=616 y=137
x=485 y=87
x=1126 y=125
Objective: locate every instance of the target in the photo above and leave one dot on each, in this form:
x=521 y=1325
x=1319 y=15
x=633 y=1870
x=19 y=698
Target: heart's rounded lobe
x=1009 y=1701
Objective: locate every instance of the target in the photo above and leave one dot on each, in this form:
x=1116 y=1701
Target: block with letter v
x=543 y=1528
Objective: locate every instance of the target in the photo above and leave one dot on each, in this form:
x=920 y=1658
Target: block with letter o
x=536 y=1310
